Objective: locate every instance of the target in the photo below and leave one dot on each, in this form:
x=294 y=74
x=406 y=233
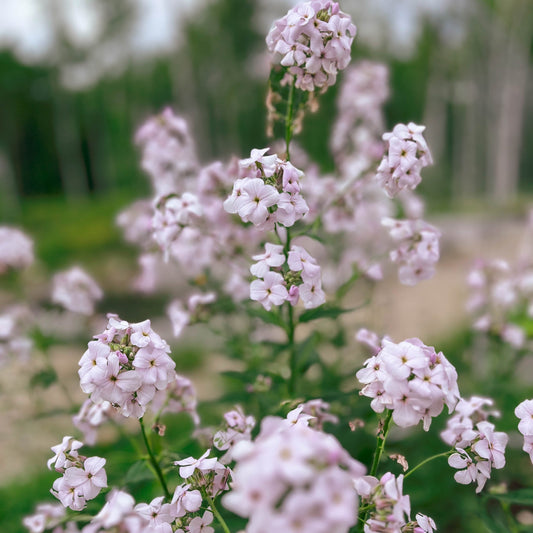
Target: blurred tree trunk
x=9 y=201
x=508 y=76
x=68 y=146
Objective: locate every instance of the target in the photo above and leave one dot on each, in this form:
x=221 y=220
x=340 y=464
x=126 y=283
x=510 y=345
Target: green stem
x=62 y=386
x=444 y=454
x=218 y=516
x=154 y=462
x=380 y=444
x=292 y=351
x=378 y=452
x=288 y=118
x=510 y=518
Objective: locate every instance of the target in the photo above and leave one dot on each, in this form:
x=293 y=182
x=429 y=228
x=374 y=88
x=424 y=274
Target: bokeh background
x=77 y=77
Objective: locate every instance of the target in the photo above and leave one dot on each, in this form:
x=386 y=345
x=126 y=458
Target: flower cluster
x=390 y=509
x=47 y=516
x=196 y=305
x=178 y=397
x=497 y=292
x=416 y=248
x=76 y=291
x=302 y=276
x=356 y=137
x=238 y=427
x=410 y=379
x=172 y=215
x=267 y=192
x=524 y=411
x=313 y=40
x=406 y=156
x=205 y=473
x=127 y=365
x=478 y=447
x=14 y=339
x=120 y=514
x=168 y=155
x=90 y=417
x=83 y=477
x=319 y=412
x=294 y=478
x=460 y=428
x=16 y=249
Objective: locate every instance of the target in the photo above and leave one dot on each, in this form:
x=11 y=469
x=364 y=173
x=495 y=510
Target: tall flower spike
x=313 y=41
x=407 y=154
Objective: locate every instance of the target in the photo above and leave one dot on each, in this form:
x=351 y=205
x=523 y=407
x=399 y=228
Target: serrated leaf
x=138 y=471
x=44 y=378
x=324 y=311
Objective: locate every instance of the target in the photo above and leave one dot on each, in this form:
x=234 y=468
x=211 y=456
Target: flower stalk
x=153 y=461
x=216 y=512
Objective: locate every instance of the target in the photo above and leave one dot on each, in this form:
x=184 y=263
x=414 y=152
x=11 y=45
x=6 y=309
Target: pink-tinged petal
x=74 y=476
x=129 y=381
x=457 y=461
x=94 y=464
x=463 y=477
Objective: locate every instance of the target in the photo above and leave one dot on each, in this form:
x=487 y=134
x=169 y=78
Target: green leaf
x=269 y=317
x=305 y=352
x=324 y=311
x=521 y=496
x=138 y=472
x=44 y=378
x=41 y=341
x=347 y=285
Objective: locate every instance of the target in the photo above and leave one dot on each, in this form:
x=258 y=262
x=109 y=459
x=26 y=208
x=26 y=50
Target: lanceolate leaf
x=323 y=311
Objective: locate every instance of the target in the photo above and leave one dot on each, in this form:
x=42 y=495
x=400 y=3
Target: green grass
x=75 y=231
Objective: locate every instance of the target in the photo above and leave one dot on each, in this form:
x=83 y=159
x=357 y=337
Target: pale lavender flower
x=190 y=464
x=273 y=257
x=416 y=249
x=201 y=524
x=390 y=508
x=76 y=291
x=168 y=153
x=83 y=478
x=185 y=500
x=16 y=249
x=237 y=427
x=269 y=291
x=136 y=222
x=524 y=411
x=66 y=454
x=90 y=417
x=478 y=449
x=89 y=479
x=46 y=517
